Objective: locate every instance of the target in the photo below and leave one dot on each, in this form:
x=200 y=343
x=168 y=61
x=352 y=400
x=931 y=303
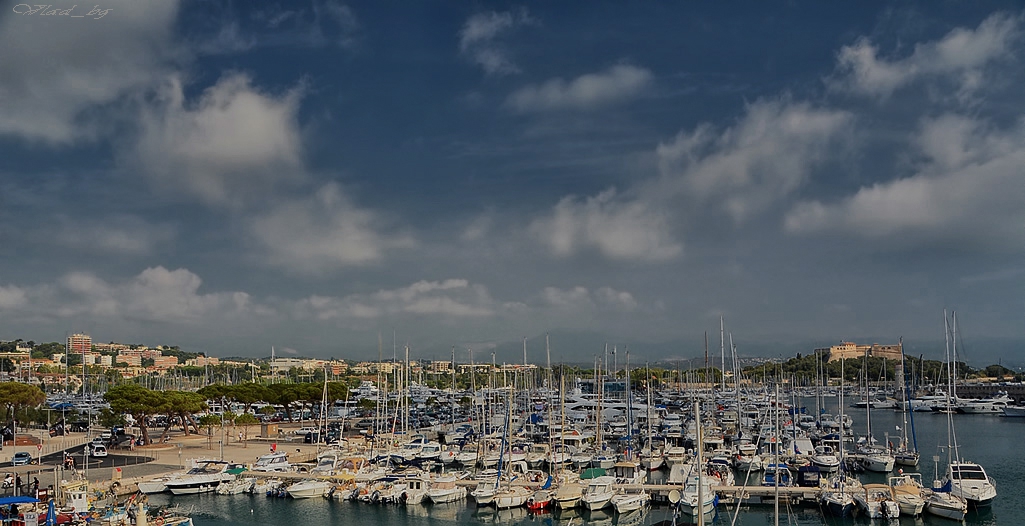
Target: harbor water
x=992 y=441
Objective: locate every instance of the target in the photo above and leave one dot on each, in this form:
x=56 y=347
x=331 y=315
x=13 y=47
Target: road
x=109 y=461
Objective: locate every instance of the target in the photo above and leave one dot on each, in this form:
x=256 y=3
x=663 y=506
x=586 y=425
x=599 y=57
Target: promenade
x=144 y=462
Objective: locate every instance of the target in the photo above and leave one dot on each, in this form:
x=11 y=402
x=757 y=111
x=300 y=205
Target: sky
x=323 y=176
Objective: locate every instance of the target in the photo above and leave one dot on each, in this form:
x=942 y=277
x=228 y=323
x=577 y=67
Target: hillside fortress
x=851 y=350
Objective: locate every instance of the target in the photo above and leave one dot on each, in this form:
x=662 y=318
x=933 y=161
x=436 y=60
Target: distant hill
x=581 y=347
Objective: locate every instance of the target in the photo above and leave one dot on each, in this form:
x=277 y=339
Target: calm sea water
x=992 y=441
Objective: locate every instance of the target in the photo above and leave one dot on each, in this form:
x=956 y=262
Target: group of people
x=14 y=481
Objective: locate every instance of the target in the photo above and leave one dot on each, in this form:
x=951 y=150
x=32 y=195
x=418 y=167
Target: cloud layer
x=961 y=55
x=618 y=83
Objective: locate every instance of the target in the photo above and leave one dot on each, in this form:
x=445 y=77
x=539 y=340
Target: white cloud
x=119 y=233
x=618 y=228
x=968 y=190
x=620 y=82
x=231 y=144
x=961 y=54
x=451 y=298
x=55 y=69
x=749 y=167
x=11 y=297
x=323 y=232
x=579 y=299
x=478 y=228
x=155 y=295
x=479 y=35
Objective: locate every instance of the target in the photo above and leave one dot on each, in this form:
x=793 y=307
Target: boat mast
x=629 y=412
x=722 y=351
x=700 y=466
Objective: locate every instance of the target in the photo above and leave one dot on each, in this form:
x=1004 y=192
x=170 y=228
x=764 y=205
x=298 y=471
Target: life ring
x=159 y=521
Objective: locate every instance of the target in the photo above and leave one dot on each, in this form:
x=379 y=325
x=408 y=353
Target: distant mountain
x=580 y=348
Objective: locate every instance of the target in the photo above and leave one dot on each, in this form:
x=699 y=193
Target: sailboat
x=964 y=478
x=874 y=457
x=942 y=502
x=904 y=456
x=837 y=498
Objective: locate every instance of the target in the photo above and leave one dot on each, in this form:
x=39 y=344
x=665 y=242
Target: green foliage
x=173 y=350
x=246 y=419
x=47 y=350
x=16 y=396
x=108 y=418
x=137 y=401
x=210 y=420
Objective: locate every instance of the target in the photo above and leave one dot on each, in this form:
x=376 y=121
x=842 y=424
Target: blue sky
x=231 y=176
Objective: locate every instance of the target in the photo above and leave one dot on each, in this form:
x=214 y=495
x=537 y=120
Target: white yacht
x=306 y=489
x=202 y=478
x=598 y=493
x=444 y=489
x=907 y=491
x=691 y=503
x=276 y=462
x=630 y=500
x=877 y=501
x=969 y=481
x=825 y=459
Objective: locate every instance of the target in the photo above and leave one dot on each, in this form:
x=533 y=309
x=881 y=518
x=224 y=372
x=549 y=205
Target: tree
x=285 y=395
x=16 y=395
x=136 y=400
x=184 y=404
x=108 y=418
x=245 y=420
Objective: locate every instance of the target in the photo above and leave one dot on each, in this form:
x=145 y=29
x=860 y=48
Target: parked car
x=22 y=458
x=302 y=431
x=98 y=451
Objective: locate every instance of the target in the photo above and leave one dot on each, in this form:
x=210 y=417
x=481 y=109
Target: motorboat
x=237 y=486
x=676 y=455
x=878 y=459
x=838 y=502
x=327 y=462
x=444 y=489
x=598 y=493
x=747 y=458
x=1014 y=411
x=825 y=458
x=511 y=496
x=306 y=489
x=203 y=478
x=487 y=483
x=568 y=493
x=907 y=491
x=541 y=500
x=697 y=497
x=969 y=481
x=945 y=504
x=416 y=491
x=630 y=499
x=272 y=462
x=877 y=501
x=154 y=486
x=777 y=474
x=993 y=405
